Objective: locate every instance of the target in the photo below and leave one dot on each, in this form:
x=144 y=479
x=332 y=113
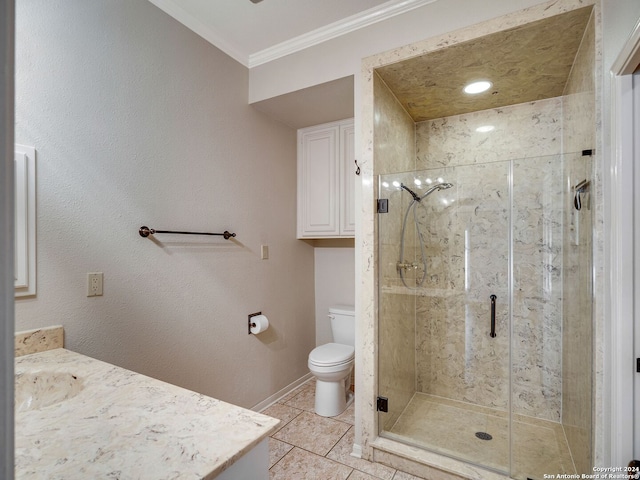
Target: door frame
x=7 y=52
x=621 y=237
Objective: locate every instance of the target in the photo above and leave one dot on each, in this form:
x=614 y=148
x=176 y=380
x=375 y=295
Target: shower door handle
x=493 y=316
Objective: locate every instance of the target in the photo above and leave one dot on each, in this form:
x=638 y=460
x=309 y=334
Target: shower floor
x=449 y=427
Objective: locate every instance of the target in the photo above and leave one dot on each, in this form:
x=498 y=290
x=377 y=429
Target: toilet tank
x=343 y=324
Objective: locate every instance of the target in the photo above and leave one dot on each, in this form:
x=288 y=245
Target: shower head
x=438 y=187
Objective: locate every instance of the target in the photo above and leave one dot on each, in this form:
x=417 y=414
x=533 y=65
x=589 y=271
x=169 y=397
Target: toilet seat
x=332 y=355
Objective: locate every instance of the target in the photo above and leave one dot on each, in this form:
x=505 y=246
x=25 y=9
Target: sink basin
x=37 y=390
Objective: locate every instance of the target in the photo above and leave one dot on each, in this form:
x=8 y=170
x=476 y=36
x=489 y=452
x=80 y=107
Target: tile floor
x=310 y=447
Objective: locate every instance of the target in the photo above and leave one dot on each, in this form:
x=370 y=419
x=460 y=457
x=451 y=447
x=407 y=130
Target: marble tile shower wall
x=394 y=144
x=520 y=131
x=579 y=122
x=469 y=258
x=577 y=347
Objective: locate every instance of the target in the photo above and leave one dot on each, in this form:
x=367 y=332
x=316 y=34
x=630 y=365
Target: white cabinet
x=326 y=181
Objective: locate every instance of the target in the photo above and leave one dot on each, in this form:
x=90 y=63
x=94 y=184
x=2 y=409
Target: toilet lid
x=331 y=354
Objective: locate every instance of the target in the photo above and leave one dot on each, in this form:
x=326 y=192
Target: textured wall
x=334 y=281
x=137 y=120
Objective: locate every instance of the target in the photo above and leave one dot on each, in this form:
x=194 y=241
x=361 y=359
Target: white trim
x=341 y=27
x=346 y=25
x=25 y=221
x=356 y=451
x=621 y=276
x=281 y=393
x=629 y=57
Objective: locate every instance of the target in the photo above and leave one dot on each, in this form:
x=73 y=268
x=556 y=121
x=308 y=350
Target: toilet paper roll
x=260 y=324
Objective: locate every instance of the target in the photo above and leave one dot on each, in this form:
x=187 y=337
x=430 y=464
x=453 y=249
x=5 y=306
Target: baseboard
x=281 y=393
x=357 y=451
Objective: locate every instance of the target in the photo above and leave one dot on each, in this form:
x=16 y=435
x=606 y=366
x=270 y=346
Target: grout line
x=292 y=447
x=334 y=445
x=291 y=420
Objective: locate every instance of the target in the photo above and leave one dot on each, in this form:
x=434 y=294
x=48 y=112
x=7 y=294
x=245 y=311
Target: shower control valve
x=407 y=266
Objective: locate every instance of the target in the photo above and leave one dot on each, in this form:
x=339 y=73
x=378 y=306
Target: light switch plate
x=264 y=252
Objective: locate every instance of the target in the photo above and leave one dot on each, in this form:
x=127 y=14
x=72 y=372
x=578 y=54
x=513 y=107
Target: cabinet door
x=318 y=182
x=347 y=181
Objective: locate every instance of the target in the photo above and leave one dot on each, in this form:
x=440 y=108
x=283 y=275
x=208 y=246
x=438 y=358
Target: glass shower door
x=551 y=333
x=444 y=310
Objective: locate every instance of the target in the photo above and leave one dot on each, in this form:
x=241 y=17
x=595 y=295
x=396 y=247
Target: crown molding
x=355 y=22
x=171 y=8
x=347 y=25
x=629 y=57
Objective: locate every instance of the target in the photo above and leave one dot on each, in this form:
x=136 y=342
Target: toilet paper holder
x=252 y=323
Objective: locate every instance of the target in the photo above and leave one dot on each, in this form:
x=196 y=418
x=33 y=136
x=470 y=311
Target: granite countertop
x=119 y=424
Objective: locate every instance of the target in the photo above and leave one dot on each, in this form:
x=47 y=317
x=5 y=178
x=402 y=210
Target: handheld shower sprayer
x=438 y=187
x=403 y=265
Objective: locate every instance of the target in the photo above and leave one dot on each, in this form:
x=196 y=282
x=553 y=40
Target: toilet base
x=332 y=398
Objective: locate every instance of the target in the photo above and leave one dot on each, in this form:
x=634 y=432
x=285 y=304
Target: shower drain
x=483 y=436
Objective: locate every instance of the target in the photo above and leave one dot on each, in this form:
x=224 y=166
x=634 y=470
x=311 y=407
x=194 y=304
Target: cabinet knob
x=357 y=167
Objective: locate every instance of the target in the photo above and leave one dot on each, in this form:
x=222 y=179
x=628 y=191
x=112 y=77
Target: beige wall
x=138 y=121
x=334 y=285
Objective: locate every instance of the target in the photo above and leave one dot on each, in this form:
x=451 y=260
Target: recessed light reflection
x=396 y=183
x=385 y=184
x=485 y=128
x=417 y=181
x=440 y=180
x=429 y=181
x=477 y=87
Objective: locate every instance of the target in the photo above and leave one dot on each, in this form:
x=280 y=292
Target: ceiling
x=257 y=33
x=526 y=63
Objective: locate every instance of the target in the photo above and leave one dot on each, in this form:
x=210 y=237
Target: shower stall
x=484 y=326
x=483 y=249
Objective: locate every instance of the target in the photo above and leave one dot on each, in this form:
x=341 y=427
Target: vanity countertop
x=117 y=424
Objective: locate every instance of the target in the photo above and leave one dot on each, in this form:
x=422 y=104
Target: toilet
x=332 y=364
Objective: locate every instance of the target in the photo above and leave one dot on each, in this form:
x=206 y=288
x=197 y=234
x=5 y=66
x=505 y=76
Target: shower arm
x=416 y=198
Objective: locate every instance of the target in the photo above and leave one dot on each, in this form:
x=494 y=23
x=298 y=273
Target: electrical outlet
x=94 y=284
